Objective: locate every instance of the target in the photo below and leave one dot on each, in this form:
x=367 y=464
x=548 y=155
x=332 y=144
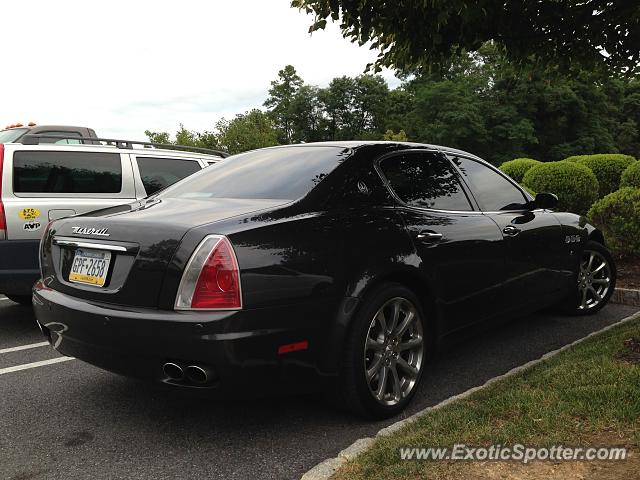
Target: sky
x=123 y=67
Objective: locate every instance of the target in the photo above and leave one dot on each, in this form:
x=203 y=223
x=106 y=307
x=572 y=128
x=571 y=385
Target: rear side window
x=66 y=172
x=493 y=191
x=425 y=180
x=159 y=173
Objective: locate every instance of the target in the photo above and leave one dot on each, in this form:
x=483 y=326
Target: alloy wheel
x=594 y=280
x=394 y=351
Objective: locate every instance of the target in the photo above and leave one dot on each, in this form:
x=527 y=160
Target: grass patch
x=583 y=395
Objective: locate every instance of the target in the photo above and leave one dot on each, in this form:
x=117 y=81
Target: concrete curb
x=324 y=470
x=626 y=296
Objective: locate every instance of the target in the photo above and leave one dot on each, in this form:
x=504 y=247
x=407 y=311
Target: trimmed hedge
x=607 y=167
x=575 y=185
x=631 y=176
x=618 y=216
x=517 y=167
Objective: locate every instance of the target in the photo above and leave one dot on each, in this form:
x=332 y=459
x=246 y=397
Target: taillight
x=211 y=280
x=3 y=219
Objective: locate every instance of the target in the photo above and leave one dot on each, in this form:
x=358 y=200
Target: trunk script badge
x=102 y=232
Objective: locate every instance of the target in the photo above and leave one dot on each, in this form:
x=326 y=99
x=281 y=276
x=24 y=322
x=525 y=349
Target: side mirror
x=545 y=200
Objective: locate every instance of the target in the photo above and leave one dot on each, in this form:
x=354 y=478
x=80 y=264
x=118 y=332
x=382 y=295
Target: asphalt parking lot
x=70 y=420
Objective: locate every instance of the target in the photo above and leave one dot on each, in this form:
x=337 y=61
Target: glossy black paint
x=306 y=266
x=19 y=268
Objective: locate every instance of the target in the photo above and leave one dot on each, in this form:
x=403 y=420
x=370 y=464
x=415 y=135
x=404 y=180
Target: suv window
x=66 y=172
x=159 y=173
x=491 y=189
x=11 y=135
x=425 y=180
x=70 y=138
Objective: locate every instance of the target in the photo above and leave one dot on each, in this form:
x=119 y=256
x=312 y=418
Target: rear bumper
x=239 y=347
x=19 y=268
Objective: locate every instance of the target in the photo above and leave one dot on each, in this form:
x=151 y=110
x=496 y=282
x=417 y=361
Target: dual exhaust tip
x=196 y=374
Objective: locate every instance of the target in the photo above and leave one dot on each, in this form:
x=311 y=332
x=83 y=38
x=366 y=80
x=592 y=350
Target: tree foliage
x=416 y=35
x=481 y=103
x=280 y=102
x=248 y=131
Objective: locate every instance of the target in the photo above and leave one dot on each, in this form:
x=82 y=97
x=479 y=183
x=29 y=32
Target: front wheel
x=596 y=280
x=384 y=354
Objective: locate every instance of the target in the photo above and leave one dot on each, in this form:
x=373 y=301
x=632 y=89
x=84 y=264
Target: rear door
x=460 y=249
x=533 y=238
x=43 y=184
x=154 y=173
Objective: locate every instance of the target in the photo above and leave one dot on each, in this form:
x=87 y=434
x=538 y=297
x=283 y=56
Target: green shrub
x=618 y=216
x=575 y=185
x=631 y=176
x=607 y=167
x=517 y=167
x=529 y=191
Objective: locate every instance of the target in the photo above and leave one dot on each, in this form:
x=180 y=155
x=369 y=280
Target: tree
x=356 y=108
x=158 y=137
x=415 y=35
x=253 y=129
x=280 y=100
x=337 y=103
x=481 y=102
x=390 y=135
x=185 y=137
x=308 y=123
x=448 y=113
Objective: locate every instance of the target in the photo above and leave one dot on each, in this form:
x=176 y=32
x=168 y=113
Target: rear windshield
x=8 y=136
x=286 y=173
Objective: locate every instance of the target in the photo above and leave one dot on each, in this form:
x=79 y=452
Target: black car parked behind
x=345 y=262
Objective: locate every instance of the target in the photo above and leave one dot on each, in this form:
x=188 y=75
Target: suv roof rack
x=34 y=139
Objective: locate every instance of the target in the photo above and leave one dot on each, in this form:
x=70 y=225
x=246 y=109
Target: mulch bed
x=631 y=351
x=628 y=273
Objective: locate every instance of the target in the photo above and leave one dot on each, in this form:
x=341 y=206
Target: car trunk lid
x=136 y=242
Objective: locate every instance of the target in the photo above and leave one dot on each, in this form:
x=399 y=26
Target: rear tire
x=596 y=281
x=21 y=299
x=384 y=354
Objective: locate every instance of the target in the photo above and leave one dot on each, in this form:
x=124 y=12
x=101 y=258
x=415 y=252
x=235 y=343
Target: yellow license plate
x=90 y=267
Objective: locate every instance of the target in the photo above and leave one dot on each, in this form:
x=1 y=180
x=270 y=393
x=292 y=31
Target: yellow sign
x=29 y=213
x=79 y=277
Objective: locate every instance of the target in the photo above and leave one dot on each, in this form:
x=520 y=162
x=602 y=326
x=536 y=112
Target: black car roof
x=356 y=144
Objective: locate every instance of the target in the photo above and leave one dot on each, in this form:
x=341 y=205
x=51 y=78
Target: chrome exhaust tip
x=173 y=371
x=197 y=374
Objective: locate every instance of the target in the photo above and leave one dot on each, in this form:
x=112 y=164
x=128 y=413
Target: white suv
x=40 y=183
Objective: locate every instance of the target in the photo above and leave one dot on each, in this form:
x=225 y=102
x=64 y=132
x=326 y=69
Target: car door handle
x=428 y=237
x=511 y=231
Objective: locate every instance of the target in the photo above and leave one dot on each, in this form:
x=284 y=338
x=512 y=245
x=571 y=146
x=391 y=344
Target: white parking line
x=23 y=347
x=27 y=366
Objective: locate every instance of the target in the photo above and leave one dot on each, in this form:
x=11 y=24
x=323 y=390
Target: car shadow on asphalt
x=469 y=363
x=260 y=438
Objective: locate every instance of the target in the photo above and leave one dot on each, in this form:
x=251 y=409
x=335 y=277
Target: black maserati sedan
x=337 y=266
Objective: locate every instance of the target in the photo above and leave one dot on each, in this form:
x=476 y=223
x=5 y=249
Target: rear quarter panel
x=321 y=262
